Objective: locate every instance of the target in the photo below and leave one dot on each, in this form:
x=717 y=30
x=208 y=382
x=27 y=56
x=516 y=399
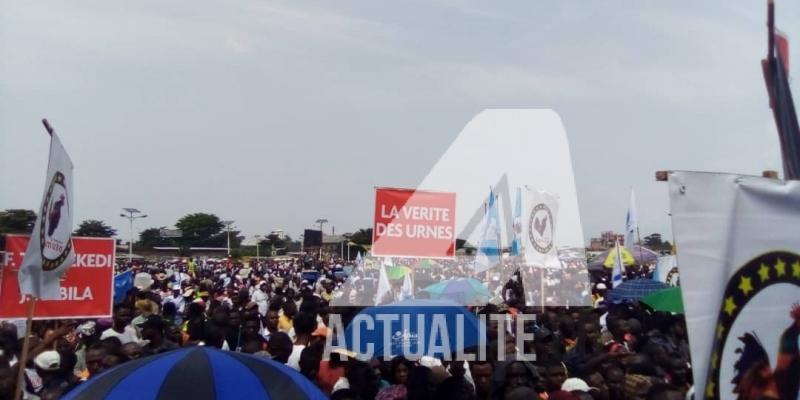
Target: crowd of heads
x=272 y=309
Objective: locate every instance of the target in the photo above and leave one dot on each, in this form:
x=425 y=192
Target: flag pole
x=30 y=302
x=47 y=126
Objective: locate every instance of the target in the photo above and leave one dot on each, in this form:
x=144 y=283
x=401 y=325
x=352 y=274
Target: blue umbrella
x=634 y=289
x=461 y=290
x=198 y=373
x=417 y=328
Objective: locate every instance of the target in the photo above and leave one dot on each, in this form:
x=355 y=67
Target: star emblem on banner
x=780 y=268
x=763 y=272
x=743 y=285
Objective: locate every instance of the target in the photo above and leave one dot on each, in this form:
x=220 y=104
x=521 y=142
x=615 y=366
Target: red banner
x=414 y=223
x=86 y=288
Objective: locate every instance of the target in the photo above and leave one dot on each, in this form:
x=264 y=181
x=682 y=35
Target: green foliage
x=151 y=237
x=362 y=236
x=199 y=226
x=17 y=221
x=95 y=228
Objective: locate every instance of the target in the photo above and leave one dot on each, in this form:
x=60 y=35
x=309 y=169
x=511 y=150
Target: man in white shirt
x=176 y=298
x=122 y=329
x=261 y=298
x=304 y=324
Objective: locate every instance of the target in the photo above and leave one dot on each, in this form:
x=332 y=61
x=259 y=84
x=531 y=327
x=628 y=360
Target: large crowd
x=280 y=310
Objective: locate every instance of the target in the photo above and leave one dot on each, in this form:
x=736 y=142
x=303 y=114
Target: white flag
x=667 y=270
x=50 y=253
x=739 y=259
x=619 y=266
x=631 y=223
x=383 y=286
x=539 y=229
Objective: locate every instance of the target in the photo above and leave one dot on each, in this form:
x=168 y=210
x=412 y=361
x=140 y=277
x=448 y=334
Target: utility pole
x=131 y=216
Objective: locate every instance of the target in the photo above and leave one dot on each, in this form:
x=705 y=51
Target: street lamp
x=321 y=221
x=258 y=242
x=228 y=228
x=131 y=216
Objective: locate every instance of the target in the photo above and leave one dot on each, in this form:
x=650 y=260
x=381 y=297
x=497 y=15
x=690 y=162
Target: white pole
x=130 y=244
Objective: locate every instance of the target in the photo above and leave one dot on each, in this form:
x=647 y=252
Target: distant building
x=278 y=233
x=606 y=241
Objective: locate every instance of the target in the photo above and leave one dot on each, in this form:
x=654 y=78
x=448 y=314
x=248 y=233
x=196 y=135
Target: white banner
x=50 y=252
x=739 y=257
x=539 y=229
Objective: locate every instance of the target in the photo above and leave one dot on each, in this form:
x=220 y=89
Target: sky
x=274 y=114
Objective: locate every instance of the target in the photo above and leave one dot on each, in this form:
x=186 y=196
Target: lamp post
x=258 y=242
x=131 y=216
x=321 y=221
x=228 y=228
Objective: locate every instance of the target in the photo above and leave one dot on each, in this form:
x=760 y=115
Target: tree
x=653 y=241
x=200 y=229
x=362 y=237
x=151 y=237
x=95 y=228
x=17 y=221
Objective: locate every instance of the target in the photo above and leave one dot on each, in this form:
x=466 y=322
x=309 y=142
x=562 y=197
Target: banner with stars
x=739 y=258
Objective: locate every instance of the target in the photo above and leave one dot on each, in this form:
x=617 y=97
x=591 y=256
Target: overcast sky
x=274 y=114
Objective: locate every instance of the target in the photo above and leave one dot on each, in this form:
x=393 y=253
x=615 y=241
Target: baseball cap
x=48 y=360
x=573 y=384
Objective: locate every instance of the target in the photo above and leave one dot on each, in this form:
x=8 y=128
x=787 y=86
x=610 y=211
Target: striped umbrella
x=198 y=373
x=634 y=289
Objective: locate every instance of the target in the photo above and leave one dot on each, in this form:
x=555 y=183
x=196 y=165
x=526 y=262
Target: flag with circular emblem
x=739 y=262
x=50 y=253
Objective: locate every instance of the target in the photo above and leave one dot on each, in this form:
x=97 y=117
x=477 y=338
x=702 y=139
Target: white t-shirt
x=294 y=358
x=129 y=335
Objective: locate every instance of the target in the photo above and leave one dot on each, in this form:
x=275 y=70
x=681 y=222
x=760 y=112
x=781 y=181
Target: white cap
x=601 y=286
x=572 y=384
x=48 y=360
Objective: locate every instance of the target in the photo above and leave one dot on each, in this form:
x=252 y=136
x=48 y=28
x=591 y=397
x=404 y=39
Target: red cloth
x=328 y=376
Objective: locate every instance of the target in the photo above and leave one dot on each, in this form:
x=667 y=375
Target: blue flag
x=122 y=284
x=489 y=247
x=516 y=242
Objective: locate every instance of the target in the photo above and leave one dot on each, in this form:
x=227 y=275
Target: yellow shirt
x=284 y=323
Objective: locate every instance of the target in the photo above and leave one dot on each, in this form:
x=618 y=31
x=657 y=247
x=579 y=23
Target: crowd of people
x=271 y=309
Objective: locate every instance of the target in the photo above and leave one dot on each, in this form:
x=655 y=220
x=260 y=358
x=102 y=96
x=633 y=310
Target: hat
x=176 y=286
x=48 y=361
x=572 y=384
x=188 y=293
x=143 y=281
x=601 y=286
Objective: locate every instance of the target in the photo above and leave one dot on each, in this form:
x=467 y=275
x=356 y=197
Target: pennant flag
x=516 y=242
x=776 y=75
x=740 y=279
x=631 y=222
x=489 y=246
x=407 y=290
x=619 y=265
x=383 y=286
x=122 y=284
x=541 y=210
x=50 y=252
